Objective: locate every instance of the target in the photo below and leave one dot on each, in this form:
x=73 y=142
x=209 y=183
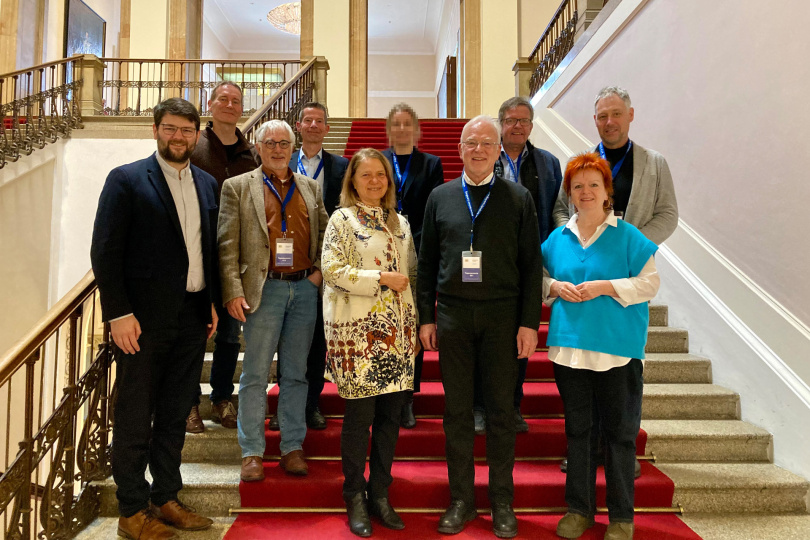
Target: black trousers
x=478 y=403
x=156 y=388
x=616 y=395
x=381 y=414
x=470 y=340
x=226 y=355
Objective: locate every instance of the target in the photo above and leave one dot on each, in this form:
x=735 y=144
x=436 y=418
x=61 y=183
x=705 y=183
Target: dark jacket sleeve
x=108 y=248
x=530 y=265
x=428 y=268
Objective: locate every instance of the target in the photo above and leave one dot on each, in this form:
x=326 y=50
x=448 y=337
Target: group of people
x=350 y=269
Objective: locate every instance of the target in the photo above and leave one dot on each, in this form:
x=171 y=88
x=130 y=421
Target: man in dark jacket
x=222 y=152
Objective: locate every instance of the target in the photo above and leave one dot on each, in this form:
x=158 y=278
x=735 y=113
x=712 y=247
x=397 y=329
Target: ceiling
x=394 y=26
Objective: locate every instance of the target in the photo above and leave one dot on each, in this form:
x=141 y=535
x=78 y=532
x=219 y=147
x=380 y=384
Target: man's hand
x=526 y=341
x=316 y=278
x=236 y=308
x=588 y=290
x=212 y=326
x=125 y=334
x=427 y=335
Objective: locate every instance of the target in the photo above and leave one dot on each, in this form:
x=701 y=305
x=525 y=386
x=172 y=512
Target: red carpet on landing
x=420 y=489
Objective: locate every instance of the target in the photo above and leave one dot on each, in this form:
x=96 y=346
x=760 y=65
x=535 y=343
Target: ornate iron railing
x=37 y=106
x=554 y=43
x=132 y=87
x=56 y=387
x=287 y=102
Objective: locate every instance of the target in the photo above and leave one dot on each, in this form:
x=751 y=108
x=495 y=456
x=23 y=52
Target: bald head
x=479 y=147
x=488 y=123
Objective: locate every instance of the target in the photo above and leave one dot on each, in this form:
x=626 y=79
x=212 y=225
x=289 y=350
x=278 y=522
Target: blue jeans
x=284 y=322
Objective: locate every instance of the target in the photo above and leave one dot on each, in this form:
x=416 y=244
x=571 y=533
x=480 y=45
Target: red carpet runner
x=420 y=487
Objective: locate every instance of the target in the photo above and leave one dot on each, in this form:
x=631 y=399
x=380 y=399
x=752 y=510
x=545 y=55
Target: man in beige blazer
x=270 y=232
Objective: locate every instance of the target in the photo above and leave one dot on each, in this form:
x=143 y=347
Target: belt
x=289 y=276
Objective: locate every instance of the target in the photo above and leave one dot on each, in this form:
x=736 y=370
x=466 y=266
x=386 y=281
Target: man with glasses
x=270 y=233
x=222 y=152
x=481 y=253
x=539 y=172
x=154 y=255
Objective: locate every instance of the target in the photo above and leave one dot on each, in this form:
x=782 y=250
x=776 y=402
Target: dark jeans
x=470 y=340
x=478 y=398
x=226 y=354
x=161 y=379
x=381 y=414
x=616 y=394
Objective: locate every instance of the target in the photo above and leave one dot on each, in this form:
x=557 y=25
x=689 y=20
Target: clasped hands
x=587 y=290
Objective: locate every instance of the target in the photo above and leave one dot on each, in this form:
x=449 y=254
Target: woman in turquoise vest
x=599 y=275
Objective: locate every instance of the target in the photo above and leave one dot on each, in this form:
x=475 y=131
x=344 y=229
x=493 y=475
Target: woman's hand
x=567 y=291
x=588 y=290
x=394 y=280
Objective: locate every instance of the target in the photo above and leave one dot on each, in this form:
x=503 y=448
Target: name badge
x=284 y=252
x=471 y=267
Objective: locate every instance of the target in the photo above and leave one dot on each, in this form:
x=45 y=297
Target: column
x=9 y=15
x=330 y=39
x=358 y=58
x=470 y=57
x=307 y=29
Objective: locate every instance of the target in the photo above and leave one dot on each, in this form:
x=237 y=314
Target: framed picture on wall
x=84 y=30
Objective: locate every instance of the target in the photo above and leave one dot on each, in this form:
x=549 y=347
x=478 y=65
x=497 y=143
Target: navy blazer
x=424 y=175
x=542 y=177
x=138 y=253
x=334 y=169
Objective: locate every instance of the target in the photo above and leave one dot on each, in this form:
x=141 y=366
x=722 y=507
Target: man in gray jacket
x=271 y=226
x=642 y=184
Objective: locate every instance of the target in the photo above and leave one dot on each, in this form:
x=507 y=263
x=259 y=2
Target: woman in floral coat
x=370 y=321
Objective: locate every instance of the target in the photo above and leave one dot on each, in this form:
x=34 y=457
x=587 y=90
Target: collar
x=522 y=152
x=304 y=157
x=611 y=220
x=273 y=176
x=171 y=172
x=376 y=211
x=486 y=180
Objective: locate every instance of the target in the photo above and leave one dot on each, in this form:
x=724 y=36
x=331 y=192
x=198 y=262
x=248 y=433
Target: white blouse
x=630 y=291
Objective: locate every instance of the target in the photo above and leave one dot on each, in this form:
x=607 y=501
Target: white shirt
x=311 y=165
x=630 y=291
x=184 y=193
x=486 y=180
x=507 y=170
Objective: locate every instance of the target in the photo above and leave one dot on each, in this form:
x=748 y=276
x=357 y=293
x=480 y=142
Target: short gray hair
x=511 y=103
x=485 y=119
x=272 y=125
x=612 y=91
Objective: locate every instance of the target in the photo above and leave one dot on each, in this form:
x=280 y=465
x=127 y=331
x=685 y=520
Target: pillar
x=358 y=58
x=307 y=29
x=9 y=16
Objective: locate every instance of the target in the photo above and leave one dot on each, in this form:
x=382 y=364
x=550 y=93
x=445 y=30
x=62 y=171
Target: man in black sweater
x=481 y=253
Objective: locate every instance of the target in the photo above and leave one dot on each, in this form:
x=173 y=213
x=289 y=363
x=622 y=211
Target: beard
x=174 y=155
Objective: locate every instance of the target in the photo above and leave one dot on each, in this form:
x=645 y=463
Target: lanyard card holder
x=471 y=267
x=284 y=252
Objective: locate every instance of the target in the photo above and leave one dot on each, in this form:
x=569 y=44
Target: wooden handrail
x=77 y=58
x=16 y=356
x=255 y=117
x=201 y=61
x=551 y=23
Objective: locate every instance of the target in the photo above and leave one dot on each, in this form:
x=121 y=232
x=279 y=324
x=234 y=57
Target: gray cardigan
x=652 y=208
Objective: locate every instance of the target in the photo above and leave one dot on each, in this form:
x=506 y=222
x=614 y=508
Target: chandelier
x=286 y=17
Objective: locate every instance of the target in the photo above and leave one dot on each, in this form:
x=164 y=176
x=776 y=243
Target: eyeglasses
x=270 y=143
x=525 y=122
x=471 y=144
x=170 y=130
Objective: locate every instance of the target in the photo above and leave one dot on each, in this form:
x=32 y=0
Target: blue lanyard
x=515 y=168
x=303 y=171
x=475 y=215
x=400 y=177
x=615 y=170
x=286 y=200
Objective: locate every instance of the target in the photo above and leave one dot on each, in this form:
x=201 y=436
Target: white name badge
x=284 y=252
x=471 y=266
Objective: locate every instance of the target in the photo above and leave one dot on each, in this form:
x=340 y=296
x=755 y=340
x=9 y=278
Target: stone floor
x=750 y=526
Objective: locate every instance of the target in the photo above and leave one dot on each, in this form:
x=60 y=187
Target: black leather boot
x=381 y=508
x=359 y=522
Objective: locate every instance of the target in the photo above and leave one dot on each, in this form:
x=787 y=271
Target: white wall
x=533 y=18
x=721 y=96
x=212 y=47
x=110 y=11
x=394 y=78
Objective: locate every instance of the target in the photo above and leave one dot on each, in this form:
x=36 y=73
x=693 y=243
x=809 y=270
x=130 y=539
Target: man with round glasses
x=271 y=228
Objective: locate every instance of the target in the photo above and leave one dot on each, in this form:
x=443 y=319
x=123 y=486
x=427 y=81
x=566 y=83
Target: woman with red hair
x=599 y=275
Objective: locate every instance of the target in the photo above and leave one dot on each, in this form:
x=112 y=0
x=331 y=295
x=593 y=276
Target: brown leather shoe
x=293 y=463
x=194 y=423
x=224 y=413
x=182 y=517
x=144 y=526
x=252 y=469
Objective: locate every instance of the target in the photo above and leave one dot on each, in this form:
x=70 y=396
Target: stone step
x=665 y=339
x=707 y=440
x=658 y=368
x=736 y=487
x=107 y=527
x=213 y=488
x=725 y=526
x=661 y=402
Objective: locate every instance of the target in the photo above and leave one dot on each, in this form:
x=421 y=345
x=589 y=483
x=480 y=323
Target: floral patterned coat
x=371 y=331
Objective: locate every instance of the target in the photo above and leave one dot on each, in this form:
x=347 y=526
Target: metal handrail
x=563 y=5
x=554 y=43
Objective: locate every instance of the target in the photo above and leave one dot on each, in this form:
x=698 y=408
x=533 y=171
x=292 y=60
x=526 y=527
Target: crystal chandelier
x=286 y=17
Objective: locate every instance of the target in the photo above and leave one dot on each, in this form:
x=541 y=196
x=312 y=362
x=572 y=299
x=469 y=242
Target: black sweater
x=506 y=234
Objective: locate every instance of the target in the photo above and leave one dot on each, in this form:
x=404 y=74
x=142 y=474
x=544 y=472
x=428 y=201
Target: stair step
x=706 y=440
x=733 y=487
x=107 y=527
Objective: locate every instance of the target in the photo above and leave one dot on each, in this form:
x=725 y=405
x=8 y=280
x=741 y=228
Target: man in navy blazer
x=538 y=171
x=328 y=170
x=154 y=256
